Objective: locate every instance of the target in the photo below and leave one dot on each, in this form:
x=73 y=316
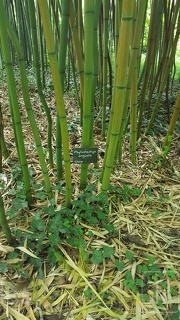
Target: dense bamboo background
x=78 y=240
x=116 y=54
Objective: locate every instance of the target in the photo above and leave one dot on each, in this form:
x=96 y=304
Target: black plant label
x=85 y=155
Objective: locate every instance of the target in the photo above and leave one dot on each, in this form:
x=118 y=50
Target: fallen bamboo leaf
x=27 y=252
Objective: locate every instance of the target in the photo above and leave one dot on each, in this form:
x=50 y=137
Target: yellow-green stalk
x=119 y=89
x=14 y=100
x=58 y=93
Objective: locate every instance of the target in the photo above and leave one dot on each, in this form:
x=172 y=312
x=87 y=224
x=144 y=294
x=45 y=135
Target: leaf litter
x=146 y=223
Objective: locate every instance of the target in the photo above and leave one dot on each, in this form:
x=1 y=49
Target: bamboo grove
x=118 y=52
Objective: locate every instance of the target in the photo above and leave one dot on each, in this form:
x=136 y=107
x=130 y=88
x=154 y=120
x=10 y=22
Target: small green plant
x=50 y=227
x=100 y=254
x=3 y=267
x=147 y=275
x=135 y=284
x=119 y=264
x=155 y=214
x=171 y=274
x=129 y=255
x=126 y=193
x=97 y=256
x=88 y=293
x=162 y=160
x=166 y=148
x=149 y=192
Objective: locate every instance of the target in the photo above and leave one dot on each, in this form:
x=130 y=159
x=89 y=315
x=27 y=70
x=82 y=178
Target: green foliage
x=17 y=203
x=166 y=148
x=108 y=251
x=119 y=264
x=171 y=274
x=155 y=214
x=126 y=193
x=163 y=159
x=92 y=209
x=88 y=293
x=149 y=192
x=147 y=275
x=175 y=314
x=3 y=267
x=129 y=255
x=99 y=255
x=16 y=192
x=150 y=259
x=50 y=227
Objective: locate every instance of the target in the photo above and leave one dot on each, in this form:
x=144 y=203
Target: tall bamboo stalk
x=25 y=92
x=119 y=90
x=65 y=8
x=36 y=58
x=139 y=14
x=173 y=120
x=58 y=93
x=105 y=60
x=78 y=46
x=133 y=116
x=14 y=101
x=151 y=50
x=97 y=6
x=118 y=13
x=166 y=70
x=4 y=224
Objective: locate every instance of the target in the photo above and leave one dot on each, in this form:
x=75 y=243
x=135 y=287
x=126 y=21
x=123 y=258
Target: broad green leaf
x=97 y=257
x=108 y=251
x=119 y=264
x=3 y=267
x=129 y=255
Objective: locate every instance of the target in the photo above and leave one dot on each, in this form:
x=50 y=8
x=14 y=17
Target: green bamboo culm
x=14 y=100
x=65 y=7
x=97 y=6
x=155 y=21
x=64 y=30
x=78 y=48
x=4 y=224
x=118 y=13
x=124 y=36
x=131 y=79
x=36 y=58
x=133 y=116
x=88 y=82
x=22 y=30
x=3 y=220
x=173 y=121
x=25 y=92
x=118 y=91
x=166 y=70
x=43 y=6
x=105 y=59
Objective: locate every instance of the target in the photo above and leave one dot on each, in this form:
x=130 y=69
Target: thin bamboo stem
x=14 y=102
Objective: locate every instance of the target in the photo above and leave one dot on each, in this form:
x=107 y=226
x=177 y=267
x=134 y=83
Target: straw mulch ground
x=146 y=225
